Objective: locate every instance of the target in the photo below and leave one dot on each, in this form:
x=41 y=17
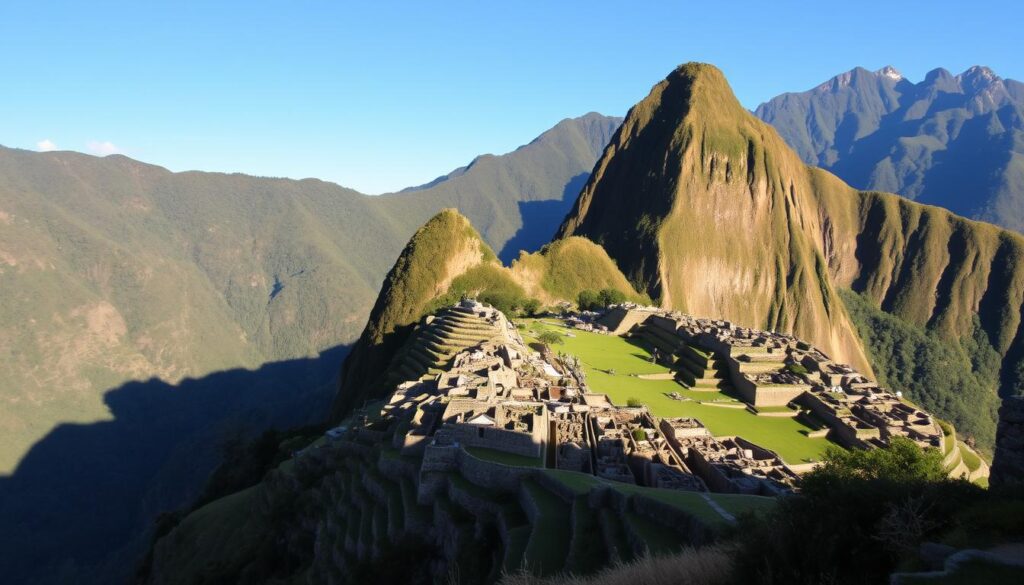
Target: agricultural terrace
x=621 y=368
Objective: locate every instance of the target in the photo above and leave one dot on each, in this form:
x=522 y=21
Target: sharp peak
x=889 y=72
x=979 y=72
x=848 y=77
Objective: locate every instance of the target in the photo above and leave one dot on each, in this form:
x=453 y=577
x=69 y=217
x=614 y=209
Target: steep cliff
x=705 y=207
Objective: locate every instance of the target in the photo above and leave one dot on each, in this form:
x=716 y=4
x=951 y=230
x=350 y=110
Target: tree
x=550 y=338
x=531 y=307
x=855 y=519
x=611 y=296
x=901 y=463
x=588 y=300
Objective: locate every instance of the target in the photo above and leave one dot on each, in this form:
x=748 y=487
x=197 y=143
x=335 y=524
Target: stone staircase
x=433 y=345
x=702 y=370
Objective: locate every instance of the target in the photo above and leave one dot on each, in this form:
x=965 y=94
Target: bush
x=588 y=300
x=797 y=369
x=634 y=403
x=531 y=307
x=611 y=296
x=550 y=338
x=639 y=435
x=856 y=520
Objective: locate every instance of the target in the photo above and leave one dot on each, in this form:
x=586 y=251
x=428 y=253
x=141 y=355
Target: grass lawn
x=552 y=531
x=659 y=540
x=971 y=459
x=503 y=457
x=517 y=540
x=611 y=524
x=599 y=353
x=588 y=548
x=690 y=502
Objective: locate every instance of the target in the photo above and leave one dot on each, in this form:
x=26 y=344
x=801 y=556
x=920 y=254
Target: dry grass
x=705 y=566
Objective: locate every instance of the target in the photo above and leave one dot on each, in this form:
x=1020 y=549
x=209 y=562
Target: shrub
x=531 y=307
x=550 y=338
x=855 y=520
x=611 y=296
x=588 y=300
x=639 y=435
x=634 y=403
x=797 y=369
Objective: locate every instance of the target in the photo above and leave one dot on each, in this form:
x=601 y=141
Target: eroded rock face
x=1008 y=465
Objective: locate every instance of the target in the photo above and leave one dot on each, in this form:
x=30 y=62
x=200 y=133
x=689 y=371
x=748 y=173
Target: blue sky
x=381 y=95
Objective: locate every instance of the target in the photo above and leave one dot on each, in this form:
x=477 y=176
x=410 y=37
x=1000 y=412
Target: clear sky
x=381 y=95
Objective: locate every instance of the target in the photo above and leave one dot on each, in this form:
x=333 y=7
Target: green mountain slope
x=953 y=141
x=444 y=260
x=705 y=207
x=139 y=303
x=115 y=270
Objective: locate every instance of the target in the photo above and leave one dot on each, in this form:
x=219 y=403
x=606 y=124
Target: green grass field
x=690 y=502
x=601 y=353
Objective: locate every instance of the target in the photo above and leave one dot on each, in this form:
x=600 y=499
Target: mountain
x=445 y=259
x=216 y=304
x=119 y=270
x=952 y=141
x=518 y=199
x=706 y=208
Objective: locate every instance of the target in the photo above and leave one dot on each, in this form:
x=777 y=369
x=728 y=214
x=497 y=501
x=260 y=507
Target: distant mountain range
x=956 y=141
x=152 y=315
x=139 y=303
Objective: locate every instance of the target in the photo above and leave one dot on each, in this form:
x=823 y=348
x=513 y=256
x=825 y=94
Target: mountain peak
x=889 y=72
x=978 y=78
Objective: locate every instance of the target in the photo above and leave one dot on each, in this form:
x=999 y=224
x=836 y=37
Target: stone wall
x=491 y=475
x=1008 y=466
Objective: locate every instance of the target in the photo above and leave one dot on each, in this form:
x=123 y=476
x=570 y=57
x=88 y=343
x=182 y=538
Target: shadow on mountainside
x=541 y=219
x=79 y=506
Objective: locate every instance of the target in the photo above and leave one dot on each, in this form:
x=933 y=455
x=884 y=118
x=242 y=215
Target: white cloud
x=45 y=145
x=102 y=148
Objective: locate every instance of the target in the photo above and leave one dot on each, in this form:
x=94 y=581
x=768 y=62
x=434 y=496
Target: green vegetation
x=552 y=530
x=551 y=338
x=588 y=551
x=592 y=301
x=971 y=459
x=564 y=268
x=796 y=369
x=955 y=381
x=692 y=503
x=598 y=353
x=858 y=517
